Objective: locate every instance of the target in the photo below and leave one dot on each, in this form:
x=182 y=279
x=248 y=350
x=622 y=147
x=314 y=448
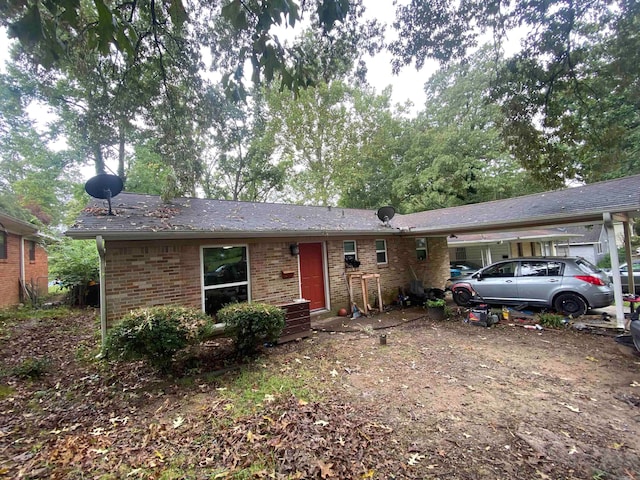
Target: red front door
x=312 y=274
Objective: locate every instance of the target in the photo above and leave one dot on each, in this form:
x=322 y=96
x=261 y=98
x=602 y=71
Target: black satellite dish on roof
x=104 y=186
x=386 y=213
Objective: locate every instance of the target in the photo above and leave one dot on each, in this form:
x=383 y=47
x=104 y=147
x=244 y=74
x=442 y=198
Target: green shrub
x=155 y=334
x=251 y=324
x=552 y=320
x=31 y=368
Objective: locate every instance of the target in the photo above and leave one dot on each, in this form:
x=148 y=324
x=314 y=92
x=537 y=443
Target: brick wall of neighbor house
x=36 y=272
x=10 y=272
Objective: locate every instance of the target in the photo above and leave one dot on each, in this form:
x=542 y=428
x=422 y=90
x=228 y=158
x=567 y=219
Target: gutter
x=199 y=234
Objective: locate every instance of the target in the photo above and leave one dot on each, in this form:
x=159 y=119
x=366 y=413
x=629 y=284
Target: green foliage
x=155 y=334
x=605 y=262
x=436 y=303
x=252 y=324
x=74 y=262
x=31 y=368
x=15 y=314
x=552 y=320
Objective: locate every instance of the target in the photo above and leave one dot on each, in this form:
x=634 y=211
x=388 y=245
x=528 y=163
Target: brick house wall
x=35 y=271
x=147 y=273
x=10 y=272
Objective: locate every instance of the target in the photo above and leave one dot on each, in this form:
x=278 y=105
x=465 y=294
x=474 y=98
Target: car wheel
x=570 y=304
x=462 y=297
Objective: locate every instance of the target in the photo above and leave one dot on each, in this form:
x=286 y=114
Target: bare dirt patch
x=440 y=400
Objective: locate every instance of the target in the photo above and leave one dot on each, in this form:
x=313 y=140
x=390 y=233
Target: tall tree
x=457 y=155
x=32 y=175
x=241 y=164
x=568 y=95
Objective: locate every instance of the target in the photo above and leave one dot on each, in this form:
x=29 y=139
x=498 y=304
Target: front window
x=381 y=252
x=225 y=276
x=421 y=248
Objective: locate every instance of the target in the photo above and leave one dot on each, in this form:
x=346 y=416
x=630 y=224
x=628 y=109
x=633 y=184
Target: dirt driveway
x=439 y=400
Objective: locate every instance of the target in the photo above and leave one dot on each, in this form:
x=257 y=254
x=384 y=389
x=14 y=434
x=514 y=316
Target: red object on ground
x=342 y=312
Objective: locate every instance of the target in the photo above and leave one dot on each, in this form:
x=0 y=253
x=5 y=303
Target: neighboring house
x=592 y=243
x=23 y=260
x=486 y=248
x=205 y=253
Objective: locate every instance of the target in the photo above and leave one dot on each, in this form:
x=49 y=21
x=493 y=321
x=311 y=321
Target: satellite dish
x=104 y=186
x=386 y=213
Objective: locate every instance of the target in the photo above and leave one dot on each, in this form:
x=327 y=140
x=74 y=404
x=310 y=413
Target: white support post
x=615 y=269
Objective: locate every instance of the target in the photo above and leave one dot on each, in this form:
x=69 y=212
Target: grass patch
x=5 y=391
x=254 y=387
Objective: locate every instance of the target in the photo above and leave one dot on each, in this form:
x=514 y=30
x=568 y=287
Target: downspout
x=615 y=268
x=23 y=289
x=103 y=287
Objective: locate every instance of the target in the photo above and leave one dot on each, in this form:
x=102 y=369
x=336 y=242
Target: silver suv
x=570 y=285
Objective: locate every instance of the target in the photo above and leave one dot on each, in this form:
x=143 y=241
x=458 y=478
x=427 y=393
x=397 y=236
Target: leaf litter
x=395 y=414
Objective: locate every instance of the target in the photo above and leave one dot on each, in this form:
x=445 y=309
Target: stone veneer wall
x=147 y=273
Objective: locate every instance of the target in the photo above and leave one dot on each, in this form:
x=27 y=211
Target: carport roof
x=146 y=216
x=570 y=206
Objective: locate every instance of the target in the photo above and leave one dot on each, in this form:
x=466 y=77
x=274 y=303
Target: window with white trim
x=225 y=276
x=381 y=252
x=350 y=251
x=421 y=249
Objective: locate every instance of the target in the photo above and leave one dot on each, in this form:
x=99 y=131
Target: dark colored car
x=570 y=285
x=624 y=276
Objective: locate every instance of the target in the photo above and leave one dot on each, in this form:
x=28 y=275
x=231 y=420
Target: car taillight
x=591 y=279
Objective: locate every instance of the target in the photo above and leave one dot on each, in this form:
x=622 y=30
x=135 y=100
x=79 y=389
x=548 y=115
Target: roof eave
x=193 y=234
x=536 y=222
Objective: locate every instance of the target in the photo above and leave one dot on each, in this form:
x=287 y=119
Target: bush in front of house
x=252 y=324
x=155 y=334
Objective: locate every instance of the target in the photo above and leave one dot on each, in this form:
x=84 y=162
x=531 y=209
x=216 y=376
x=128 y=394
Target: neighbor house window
x=225 y=276
x=350 y=253
x=421 y=248
x=32 y=251
x=3 y=245
x=381 y=252
x=461 y=253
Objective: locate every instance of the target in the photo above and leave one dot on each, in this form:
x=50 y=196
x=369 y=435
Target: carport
x=597 y=203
